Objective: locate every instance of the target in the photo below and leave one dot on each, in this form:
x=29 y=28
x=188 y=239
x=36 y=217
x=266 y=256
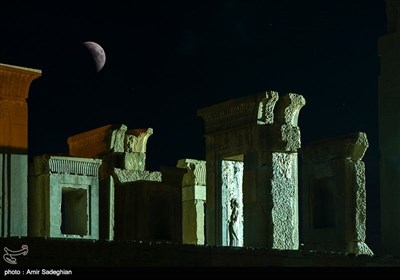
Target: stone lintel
x=47 y=164
x=196 y=172
x=15 y=81
x=126 y=176
x=238 y=112
x=351 y=146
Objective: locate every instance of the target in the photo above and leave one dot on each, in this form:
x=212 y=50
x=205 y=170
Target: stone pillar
x=193 y=200
x=389 y=131
x=14 y=88
x=334 y=197
x=262 y=132
x=64 y=197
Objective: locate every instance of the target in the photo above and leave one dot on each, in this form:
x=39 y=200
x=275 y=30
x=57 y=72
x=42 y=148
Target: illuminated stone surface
x=261 y=131
x=193 y=200
x=334 y=197
x=14 y=89
x=64 y=197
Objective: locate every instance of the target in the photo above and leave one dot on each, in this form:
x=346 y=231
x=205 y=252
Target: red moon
x=98 y=54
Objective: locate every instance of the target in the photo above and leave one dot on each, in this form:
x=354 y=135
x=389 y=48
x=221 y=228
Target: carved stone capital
x=196 y=172
x=266 y=108
x=136 y=140
x=15 y=81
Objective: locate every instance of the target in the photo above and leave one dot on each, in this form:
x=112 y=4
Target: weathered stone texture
x=284 y=201
x=334 y=196
x=64 y=197
x=193 y=200
x=124 y=176
x=251 y=129
x=14 y=89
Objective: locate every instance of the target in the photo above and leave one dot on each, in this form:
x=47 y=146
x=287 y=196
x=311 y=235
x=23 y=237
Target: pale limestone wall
x=193 y=201
x=256 y=130
x=334 y=196
x=64 y=197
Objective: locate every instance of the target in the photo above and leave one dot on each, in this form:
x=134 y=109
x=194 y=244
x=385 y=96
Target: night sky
x=167 y=59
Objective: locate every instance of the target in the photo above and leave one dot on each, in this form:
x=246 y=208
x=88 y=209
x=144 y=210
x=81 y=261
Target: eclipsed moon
x=98 y=54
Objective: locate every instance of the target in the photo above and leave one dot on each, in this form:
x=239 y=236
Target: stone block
x=134 y=161
x=334 y=196
x=64 y=198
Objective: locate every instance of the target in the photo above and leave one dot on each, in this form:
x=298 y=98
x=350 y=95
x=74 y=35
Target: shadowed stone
x=334 y=197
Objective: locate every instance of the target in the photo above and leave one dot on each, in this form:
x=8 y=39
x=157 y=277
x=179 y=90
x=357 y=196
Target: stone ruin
x=251 y=158
x=245 y=193
x=334 y=197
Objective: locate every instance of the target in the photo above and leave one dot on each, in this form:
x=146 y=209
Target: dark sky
x=167 y=59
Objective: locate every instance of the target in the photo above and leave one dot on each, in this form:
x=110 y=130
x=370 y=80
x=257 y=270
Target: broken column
x=64 y=197
x=261 y=135
x=334 y=196
x=14 y=89
x=389 y=130
x=193 y=200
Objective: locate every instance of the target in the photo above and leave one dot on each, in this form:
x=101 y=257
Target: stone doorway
x=232 y=201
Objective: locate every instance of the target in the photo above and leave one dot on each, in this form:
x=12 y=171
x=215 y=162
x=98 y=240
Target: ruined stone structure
x=261 y=132
x=64 y=197
x=389 y=130
x=333 y=194
x=14 y=88
x=123 y=153
x=193 y=201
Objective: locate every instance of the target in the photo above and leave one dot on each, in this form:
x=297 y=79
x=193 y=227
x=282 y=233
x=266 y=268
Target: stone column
x=193 y=200
x=283 y=173
x=389 y=131
x=334 y=197
x=14 y=88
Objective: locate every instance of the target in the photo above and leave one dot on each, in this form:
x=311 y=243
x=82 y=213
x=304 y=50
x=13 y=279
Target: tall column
x=14 y=89
x=389 y=131
x=193 y=200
